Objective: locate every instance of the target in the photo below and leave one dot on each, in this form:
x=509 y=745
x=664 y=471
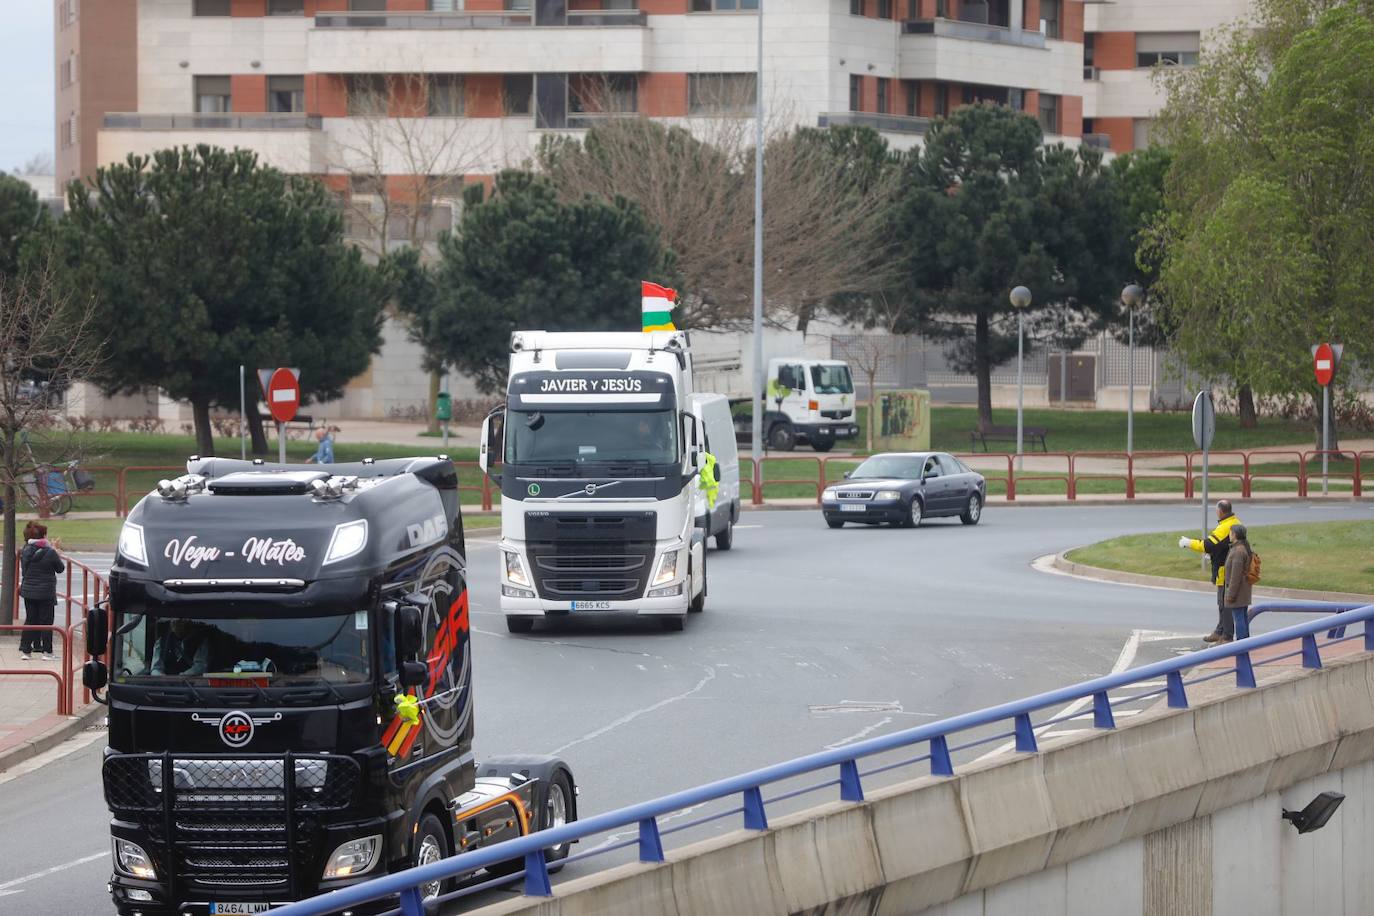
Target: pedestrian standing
x=1216 y=545
x=39 y=564
x=1238 y=585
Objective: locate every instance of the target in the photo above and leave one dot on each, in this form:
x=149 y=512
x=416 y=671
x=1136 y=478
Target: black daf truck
x=290 y=689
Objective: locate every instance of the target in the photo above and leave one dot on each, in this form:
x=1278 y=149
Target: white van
x=714 y=411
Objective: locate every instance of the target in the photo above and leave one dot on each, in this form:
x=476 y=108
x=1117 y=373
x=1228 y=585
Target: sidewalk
x=29 y=723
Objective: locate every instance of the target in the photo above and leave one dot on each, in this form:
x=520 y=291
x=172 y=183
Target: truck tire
x=726 y=539
x=782 y=437
x=822 y=443
x=559 y=808
x=519 y=624
x=431 y=845
x=697 y=604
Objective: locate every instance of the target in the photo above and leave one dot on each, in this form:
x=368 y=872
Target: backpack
x=1252 y=569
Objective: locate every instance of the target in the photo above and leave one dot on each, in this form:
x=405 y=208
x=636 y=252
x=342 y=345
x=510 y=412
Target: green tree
x=21 y=216
x=986 y=208
x=523 y=258
x=201 y=261
x=1267 y=245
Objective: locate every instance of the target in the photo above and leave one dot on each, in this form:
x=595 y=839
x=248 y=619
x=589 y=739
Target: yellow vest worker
x=708 y=478
x=1217 y=544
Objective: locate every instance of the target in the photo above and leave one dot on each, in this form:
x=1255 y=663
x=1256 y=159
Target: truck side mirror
x=716 y=470
x=97 y=630
x=94 y=675
x=413 y=674
x=409 y=634
x=492 y=443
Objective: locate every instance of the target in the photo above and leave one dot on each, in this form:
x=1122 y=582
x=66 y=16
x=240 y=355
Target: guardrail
x=841 y=769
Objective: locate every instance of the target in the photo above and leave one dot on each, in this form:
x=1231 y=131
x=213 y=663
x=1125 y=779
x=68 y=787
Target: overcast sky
x=26 y=72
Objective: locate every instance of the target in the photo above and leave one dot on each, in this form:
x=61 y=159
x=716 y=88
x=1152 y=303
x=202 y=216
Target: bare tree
x=37 y=164
x=47 y=341
x=406 y=151
x=825 y=223
x=873 y=352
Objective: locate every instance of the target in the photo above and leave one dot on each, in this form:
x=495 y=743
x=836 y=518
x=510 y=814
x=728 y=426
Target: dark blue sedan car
x=903 y=488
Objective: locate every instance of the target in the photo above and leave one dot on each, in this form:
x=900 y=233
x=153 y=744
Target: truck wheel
x=697 y=604
x=519 y=624
x=673 y=624
x=822 y=443
x=782 y=437
x=431 y=845
x=559 y=809
x=726 y=539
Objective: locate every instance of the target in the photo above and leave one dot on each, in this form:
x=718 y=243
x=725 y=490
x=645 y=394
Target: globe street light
x=1020 y=298
x=1131 y=296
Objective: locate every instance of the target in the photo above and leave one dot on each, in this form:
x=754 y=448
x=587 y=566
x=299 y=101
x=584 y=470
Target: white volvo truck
x=597 y=454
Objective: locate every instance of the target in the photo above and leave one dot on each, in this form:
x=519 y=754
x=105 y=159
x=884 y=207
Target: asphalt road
x=811 y=638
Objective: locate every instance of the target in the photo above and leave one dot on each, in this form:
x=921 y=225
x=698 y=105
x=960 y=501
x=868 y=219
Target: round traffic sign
x=1324 y=363
x=283 y=395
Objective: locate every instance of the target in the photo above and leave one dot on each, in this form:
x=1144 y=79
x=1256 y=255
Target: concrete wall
x=1177 y=812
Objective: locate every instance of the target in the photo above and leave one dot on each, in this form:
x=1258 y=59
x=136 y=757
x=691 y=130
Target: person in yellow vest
x=708 y=478
x=1217 y=545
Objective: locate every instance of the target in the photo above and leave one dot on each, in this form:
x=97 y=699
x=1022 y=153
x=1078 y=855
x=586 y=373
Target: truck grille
x=587 y=555
x=836 y=414
x=234 y=822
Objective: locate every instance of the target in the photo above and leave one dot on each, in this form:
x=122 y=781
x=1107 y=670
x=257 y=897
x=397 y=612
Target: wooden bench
x=1029 y=434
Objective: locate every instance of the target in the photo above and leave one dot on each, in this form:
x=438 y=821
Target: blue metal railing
x=1244 y=617
x=845 y=761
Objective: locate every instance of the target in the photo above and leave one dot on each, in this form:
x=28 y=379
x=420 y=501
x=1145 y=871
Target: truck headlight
x=515 y=569
x=355 y=857
x=348 y=540
x=132 y=860
x=667 y=568
x=131 y=543
x=883 y=495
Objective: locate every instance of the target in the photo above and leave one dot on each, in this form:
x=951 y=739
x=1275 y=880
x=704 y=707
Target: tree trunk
x=872 y=406
x=256 y=432
x=435 y=384
x=1248 y=417
x=205 y=440
x=7 y=568
x=983 y=371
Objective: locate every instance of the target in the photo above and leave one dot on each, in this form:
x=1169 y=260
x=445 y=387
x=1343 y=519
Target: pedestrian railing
x=845 y=768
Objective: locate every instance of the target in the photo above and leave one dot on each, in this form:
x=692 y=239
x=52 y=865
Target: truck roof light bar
x=181 y=487
x=333 y=488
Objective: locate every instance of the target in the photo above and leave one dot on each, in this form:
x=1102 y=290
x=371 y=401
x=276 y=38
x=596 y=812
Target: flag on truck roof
x=658 y=306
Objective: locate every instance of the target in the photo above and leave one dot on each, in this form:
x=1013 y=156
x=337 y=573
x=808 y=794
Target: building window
x=883 y=95
x=68 y=74
x=67 y=135
x=603 y=93
x=941 y=100
x=210 y=8
x=856 y=7
x=286 y=93
x=997 y=95
x=444 y=95
x=856 y=93
x=1016 y=99
x=1153 y=48
x=721 y=93
x=723 y=6
x=286 y=7
x=1140 y=131
x=1089 y=48
x=517 y=92
x=67 y=12
x=884 y=9
x=368 y=95
x=1049 y=113
x=913 y=96
x=1049 y=18
x=367 y=6
x=213 y=95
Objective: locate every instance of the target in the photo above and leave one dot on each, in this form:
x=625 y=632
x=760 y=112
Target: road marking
x=861 y=733
x=631 y=716
x=70 y=746
x=857 y=706
x=746 y=527
x=5 y=888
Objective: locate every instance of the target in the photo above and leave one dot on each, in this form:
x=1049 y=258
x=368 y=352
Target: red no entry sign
x=1324 y=363
x=283 y=395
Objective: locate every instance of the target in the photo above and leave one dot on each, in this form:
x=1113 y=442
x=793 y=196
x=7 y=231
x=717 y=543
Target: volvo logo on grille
x=590 y=489
x=236 y=727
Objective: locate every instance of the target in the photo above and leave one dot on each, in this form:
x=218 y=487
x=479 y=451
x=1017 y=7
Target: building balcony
x=212 y=121
x=291 y=142
x=974 y=31
x=887 y=123
x=591 y=41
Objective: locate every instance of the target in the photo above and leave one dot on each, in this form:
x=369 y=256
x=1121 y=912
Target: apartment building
x=384 y=98
x=96 y=58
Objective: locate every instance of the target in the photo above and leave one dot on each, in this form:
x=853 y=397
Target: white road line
x=5 y=888
x=861 y=733
x=71 y=745
x=746 y=527
x=631 y=716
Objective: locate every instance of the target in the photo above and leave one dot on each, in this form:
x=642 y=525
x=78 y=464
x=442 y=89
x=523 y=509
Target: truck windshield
x=591 y=437
x=267 y=651
x=831 y=380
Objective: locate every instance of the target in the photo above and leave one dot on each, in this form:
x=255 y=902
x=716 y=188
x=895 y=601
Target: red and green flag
x=658 y=305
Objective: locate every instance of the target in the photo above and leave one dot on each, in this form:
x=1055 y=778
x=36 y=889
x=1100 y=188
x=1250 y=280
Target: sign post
x=282 y=389
x=1204 y=431
x=1325 y=358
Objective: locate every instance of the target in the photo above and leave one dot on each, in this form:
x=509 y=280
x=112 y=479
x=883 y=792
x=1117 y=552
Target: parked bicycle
x=60 y=484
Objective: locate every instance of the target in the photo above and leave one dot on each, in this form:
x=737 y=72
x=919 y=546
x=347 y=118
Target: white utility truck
x=598 y=452
x=810 y=401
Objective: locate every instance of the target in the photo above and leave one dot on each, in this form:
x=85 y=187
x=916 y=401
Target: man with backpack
x=1242 y=572
x=1216 y=546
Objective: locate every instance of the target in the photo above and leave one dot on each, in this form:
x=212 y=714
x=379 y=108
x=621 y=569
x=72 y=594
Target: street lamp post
x=1020 y=298
x=1131 y=297
x=760 y=397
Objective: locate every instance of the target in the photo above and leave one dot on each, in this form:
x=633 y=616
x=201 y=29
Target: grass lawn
x=1324 y=556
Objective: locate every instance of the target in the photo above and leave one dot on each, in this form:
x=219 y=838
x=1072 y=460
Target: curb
x=51 y=738
x=1097 y=573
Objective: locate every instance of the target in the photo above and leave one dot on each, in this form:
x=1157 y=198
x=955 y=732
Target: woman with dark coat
x=1239 y=592
x=39 y=564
